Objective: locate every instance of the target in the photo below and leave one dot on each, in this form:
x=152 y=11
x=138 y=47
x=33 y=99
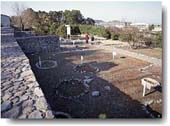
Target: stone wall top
x=39 y=44
x=21 y=96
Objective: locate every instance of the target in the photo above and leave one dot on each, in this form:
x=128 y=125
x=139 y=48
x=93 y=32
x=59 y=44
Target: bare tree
x=18 y=10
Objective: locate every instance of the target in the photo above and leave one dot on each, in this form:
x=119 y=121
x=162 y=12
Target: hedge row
x=83 y=29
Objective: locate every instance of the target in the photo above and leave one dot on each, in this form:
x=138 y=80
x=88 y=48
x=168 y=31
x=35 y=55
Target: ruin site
x=81 y=62
x=47 y=77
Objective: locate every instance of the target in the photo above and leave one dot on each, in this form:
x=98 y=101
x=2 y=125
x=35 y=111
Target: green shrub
x=158 y=40
x=61 y=31
x=38 y=29
x=125 y=37
x=106 y=34
x=85 y=28
x=95 y=30
x=75 y=30
x=115 y=36
x=52 y=28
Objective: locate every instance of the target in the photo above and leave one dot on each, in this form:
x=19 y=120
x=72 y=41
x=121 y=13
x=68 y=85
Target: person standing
x=87 y=38
x=92 y=38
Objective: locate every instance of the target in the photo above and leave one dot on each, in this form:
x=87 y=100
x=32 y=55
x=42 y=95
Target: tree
x=72 y=17
x=18 y=9
x=42 y=22
x=52 y=28
x=56 y=16
x=75 y=30
x=106 y=34
x=29 y=17
x=61 y=31
x=158 y=39
x=38 y=28
x=89 y=21
x=151 y=27
x=77 y=16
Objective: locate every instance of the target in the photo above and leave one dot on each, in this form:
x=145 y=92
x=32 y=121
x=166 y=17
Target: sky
x=137 y=12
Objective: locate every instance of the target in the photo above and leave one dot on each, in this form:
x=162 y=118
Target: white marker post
x=144 y=89
x=68 y=31
x=114 y=54
x=81 y=59
x=73 y=42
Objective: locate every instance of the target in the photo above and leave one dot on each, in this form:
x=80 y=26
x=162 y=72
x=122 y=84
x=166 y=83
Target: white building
x=140 y=26
x=157 y=29
x=114 y=23
x=5 y=21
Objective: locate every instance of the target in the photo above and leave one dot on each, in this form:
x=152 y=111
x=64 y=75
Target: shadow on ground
x=111 y=103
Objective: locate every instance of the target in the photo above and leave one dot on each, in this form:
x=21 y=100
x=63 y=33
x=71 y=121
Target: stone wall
x=8 y=35
x=23 y=34
x=21 y=96
x=38 y=44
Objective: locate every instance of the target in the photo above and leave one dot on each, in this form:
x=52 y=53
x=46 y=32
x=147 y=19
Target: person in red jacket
x=87 y=38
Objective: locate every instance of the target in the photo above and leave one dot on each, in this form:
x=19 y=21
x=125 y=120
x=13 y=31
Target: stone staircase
x=7 y=34
x=7 y=30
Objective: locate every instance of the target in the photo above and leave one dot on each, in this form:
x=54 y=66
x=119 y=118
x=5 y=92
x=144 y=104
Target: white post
x=144 y=88
x=81 y=59
x=68 y=31
x=73 y=42
x=113 y=54
x=39 y=61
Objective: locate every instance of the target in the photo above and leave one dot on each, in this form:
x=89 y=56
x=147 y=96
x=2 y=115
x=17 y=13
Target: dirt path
x=146 y=58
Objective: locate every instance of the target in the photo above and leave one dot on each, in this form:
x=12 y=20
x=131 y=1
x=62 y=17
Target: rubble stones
x=22 y=116
x=35 y=115
x=6 y=105
x=28 y=109
x=49 y=114
x=102 y=116
x=38 y=92
x=148 y=102
x=41 y=104
x=158 y=101
x=27 y=103
x=95 y=93
x=6 y=96
x=15 y=100
x=19 y=93
x=107 y=88
x=87 y=81
x=25 y=97
x=27 y=73
x=12 y=113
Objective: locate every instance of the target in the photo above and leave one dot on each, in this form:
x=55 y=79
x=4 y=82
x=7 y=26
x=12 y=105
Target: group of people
x=87 y=37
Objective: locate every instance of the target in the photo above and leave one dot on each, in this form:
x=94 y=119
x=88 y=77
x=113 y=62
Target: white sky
x=145 y=12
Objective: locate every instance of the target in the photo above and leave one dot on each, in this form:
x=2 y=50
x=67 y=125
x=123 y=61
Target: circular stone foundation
x=86 y=68
x=46 y=64
x=72 y=88
x=61 y=115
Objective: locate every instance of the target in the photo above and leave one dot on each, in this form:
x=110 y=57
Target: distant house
x=140 y=26
x=5 y=21
x=157 y=28
x=119 y=24
x=114 y=23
